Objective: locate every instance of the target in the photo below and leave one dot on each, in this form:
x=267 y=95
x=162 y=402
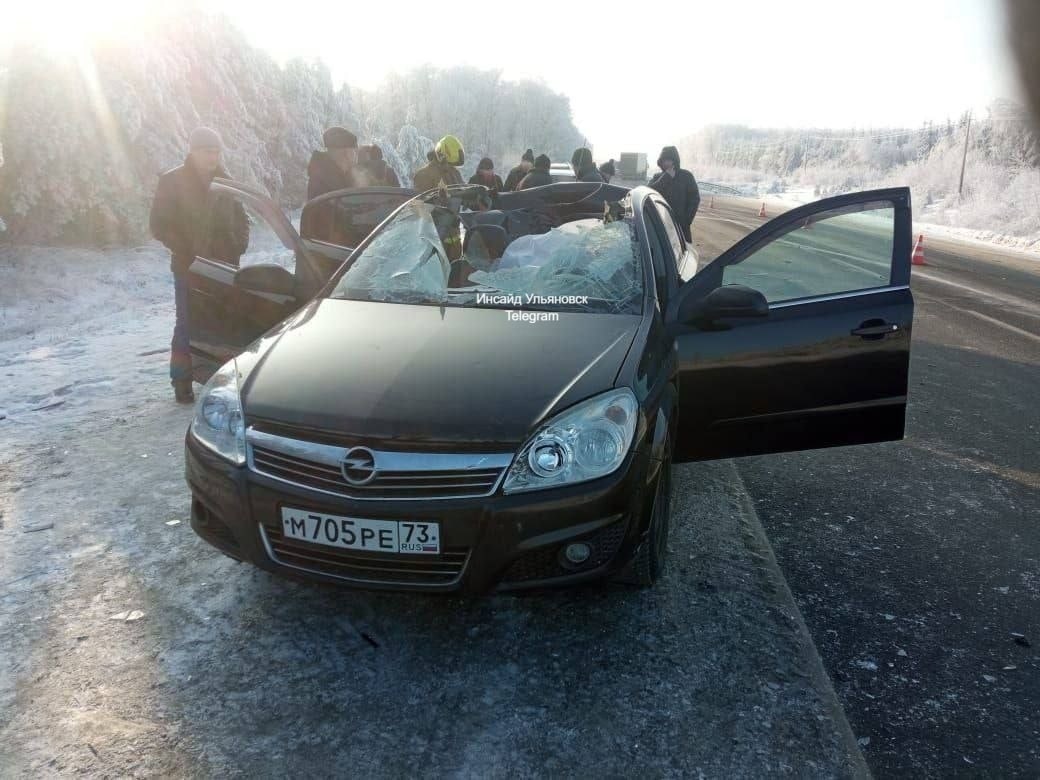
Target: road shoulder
x=759 y=545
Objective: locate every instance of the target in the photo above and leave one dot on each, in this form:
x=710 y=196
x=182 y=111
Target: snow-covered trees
x=1001 y=183
x=411 y=150
x=492 y=117
x=85 y=136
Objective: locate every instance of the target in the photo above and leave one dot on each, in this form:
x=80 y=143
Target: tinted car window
x=833 y=252
x=674 y=239
x=662 y=264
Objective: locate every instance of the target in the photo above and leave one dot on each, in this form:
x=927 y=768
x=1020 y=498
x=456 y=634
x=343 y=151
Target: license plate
x=356 y=533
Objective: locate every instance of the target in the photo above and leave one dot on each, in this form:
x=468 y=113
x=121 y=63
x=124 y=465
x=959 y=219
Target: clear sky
x=642 y=74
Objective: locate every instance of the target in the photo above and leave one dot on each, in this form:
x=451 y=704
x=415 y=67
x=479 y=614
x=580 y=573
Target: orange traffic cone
x=918 y=256
x=762 y=211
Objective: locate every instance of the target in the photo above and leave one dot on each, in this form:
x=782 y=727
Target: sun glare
x=68 y=27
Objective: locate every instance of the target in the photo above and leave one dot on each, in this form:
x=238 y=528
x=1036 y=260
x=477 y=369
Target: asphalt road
x=916 y=563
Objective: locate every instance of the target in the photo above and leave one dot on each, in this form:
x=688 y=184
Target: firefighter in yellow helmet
x=443 y=171
x=444 y=167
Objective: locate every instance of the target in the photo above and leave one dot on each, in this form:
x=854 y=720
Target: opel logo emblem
x=359 y=466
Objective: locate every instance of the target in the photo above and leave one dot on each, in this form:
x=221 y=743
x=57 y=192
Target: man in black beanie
x=334 y=168
x=373 y=169
x=539 y=176
x=486 y=176
x=518 y=173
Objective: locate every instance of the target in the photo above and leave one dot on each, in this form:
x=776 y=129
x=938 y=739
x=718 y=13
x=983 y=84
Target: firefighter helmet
x=449 y=149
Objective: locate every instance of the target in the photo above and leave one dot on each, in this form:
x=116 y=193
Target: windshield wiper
x=388 y=296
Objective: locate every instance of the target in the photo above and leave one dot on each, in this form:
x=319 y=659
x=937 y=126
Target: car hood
x=375 y=373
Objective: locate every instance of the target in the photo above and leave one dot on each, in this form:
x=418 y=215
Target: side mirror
x=726 y=302
x=266 y=278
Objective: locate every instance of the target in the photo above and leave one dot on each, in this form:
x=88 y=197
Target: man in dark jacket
x=678 y=187
x=516 y=175
x=191 y=221
x=335 y=168
x=376 y=172
x=607 y=170
x=486 y=176
x=584 y=167
x=448 y=155
x=389 y=176
x=539 y=175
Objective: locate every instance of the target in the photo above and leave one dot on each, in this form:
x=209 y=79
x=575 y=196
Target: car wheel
x=648 y=564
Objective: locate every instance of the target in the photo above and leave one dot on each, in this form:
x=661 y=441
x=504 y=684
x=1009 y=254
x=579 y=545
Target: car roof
x=560 y=171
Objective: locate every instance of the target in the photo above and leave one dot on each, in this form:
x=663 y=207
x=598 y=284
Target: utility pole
x=964 y=159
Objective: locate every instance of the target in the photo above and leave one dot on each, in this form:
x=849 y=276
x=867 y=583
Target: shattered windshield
x=504 y=259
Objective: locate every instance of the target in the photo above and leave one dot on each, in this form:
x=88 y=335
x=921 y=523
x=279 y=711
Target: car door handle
x=875 y=329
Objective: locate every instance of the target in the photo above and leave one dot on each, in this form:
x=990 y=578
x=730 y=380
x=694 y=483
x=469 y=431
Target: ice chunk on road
x=128 y=616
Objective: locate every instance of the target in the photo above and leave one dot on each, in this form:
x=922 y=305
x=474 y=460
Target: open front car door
x=798 y=336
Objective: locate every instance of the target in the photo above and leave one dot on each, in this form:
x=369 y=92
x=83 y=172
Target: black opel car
x=440 y=393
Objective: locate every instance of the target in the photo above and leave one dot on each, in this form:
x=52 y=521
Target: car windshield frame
x=611 y=287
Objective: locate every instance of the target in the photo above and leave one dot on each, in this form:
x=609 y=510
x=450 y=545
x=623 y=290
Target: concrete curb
x=760 y=545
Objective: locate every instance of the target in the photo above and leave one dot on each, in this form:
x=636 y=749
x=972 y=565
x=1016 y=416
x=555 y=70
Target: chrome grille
x=395 y=475
x=442 y=569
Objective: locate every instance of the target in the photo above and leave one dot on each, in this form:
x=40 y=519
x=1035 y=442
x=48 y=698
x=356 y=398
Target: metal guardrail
x=717 y=189
x=709 y=187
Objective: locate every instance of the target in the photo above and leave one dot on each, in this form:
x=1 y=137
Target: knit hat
x=528 y=156
x=543 y=162
x=204 y=138
x=339 y=138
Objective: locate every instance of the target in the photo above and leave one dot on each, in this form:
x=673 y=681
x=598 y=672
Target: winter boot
x=182 y=391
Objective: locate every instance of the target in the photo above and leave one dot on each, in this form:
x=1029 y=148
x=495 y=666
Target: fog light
x=577 y=553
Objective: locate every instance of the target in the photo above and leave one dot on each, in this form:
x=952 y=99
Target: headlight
x=585 y=442
x=218 y=422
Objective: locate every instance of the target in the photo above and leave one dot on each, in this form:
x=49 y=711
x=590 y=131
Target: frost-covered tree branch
x=86 y=138
x=1001 y=183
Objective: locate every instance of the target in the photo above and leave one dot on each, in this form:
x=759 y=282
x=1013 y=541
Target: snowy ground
x=131 y=648
x=1023 y=246
x=51 y=291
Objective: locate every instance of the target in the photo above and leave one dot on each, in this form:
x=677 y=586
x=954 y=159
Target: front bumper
x=507 y=542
